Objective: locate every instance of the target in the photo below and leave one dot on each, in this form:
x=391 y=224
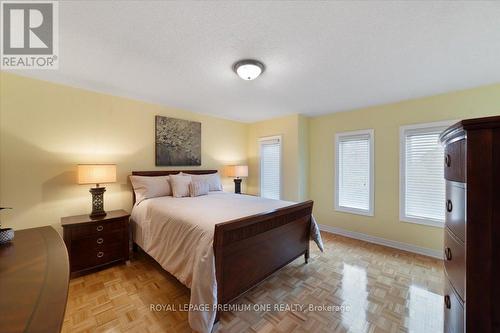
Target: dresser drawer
x=454 y=262
x=454 y=161
x=455 y=208
x=453 y=311
x=97 y=228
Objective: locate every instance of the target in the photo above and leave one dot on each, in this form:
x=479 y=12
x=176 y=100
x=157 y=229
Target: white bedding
x=178 y=234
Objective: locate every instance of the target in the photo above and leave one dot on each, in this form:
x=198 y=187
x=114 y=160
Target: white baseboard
x=382 y=241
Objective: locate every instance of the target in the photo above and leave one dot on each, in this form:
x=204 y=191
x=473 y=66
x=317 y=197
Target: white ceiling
x=321 y=57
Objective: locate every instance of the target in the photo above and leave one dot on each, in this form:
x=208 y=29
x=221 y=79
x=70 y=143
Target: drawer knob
x=447 y=253
x=100 y=240
x=447 y=160
x=449 y=206
x=99 y=228
x=100 y=254
x=447 y=301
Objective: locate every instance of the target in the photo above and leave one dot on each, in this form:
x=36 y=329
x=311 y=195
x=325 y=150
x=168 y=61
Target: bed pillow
x=198 y=187
x=180 y=185
x=150 y=187
x=213 y=180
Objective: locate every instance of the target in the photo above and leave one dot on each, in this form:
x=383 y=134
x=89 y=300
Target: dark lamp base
x=237 y=185
x=97 y=202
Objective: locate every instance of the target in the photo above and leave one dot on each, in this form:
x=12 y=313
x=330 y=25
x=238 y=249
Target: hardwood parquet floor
x=381 y=290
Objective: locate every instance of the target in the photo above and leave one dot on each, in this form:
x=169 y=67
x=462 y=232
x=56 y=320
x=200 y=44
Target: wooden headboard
x=157 y=173
x=171 y=172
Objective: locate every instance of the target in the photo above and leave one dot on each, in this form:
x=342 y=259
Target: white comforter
x=178 y=234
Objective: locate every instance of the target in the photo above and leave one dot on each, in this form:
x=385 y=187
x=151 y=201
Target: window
x=354 y=172
x=422 y=183
x=270 y=167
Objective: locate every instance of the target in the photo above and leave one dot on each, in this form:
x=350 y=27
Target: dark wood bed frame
x=249 y=249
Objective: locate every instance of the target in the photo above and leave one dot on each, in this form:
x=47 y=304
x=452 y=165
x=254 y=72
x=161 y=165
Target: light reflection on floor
x=354 y=295
x=425 y=311
x=425 y=308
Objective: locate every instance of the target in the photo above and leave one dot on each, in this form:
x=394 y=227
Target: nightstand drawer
x=97 y=241
x=98 y=250
x=96 y=228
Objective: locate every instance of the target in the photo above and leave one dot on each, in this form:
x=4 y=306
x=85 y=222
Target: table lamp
x=97 y=174
x=237 y=171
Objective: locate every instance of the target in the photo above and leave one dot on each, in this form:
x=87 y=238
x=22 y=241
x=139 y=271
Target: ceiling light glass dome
x=248 y=69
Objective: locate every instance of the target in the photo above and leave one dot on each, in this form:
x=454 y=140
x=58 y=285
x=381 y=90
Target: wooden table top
x=34 y=276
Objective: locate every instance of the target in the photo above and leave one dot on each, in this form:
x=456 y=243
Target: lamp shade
x=236 y=171
x=96 y=173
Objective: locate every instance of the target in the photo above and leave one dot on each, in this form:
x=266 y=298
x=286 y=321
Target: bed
x=222 y=244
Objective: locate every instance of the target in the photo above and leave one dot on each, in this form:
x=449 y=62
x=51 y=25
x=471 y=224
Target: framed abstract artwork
x=178 y=142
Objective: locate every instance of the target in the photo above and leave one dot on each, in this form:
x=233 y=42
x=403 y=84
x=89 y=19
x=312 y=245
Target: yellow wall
x=46 y=129
x=386 y=120
x=293 y=131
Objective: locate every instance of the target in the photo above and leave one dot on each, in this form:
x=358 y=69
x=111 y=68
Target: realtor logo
x=29 y=34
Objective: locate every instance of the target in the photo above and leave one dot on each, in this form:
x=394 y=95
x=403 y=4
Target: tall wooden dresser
x=472 y=232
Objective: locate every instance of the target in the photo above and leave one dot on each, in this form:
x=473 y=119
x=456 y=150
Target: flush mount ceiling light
x=248 y=69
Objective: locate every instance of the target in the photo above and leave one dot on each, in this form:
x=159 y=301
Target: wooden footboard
x=249 y=249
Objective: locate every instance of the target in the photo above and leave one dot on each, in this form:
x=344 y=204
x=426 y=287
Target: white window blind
x=422 y=174
x=270 y=167
x=354 y=172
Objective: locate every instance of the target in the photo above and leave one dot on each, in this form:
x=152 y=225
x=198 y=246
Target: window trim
x=371 y=210
x=269 y=138
x=402 y=172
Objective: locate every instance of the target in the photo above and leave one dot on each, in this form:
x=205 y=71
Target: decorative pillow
x=198 y=187
x=213 y=180
x=150 y=187
x=180 y=185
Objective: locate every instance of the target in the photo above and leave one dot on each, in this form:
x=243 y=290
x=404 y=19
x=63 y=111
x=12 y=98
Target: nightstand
x=97 y=242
